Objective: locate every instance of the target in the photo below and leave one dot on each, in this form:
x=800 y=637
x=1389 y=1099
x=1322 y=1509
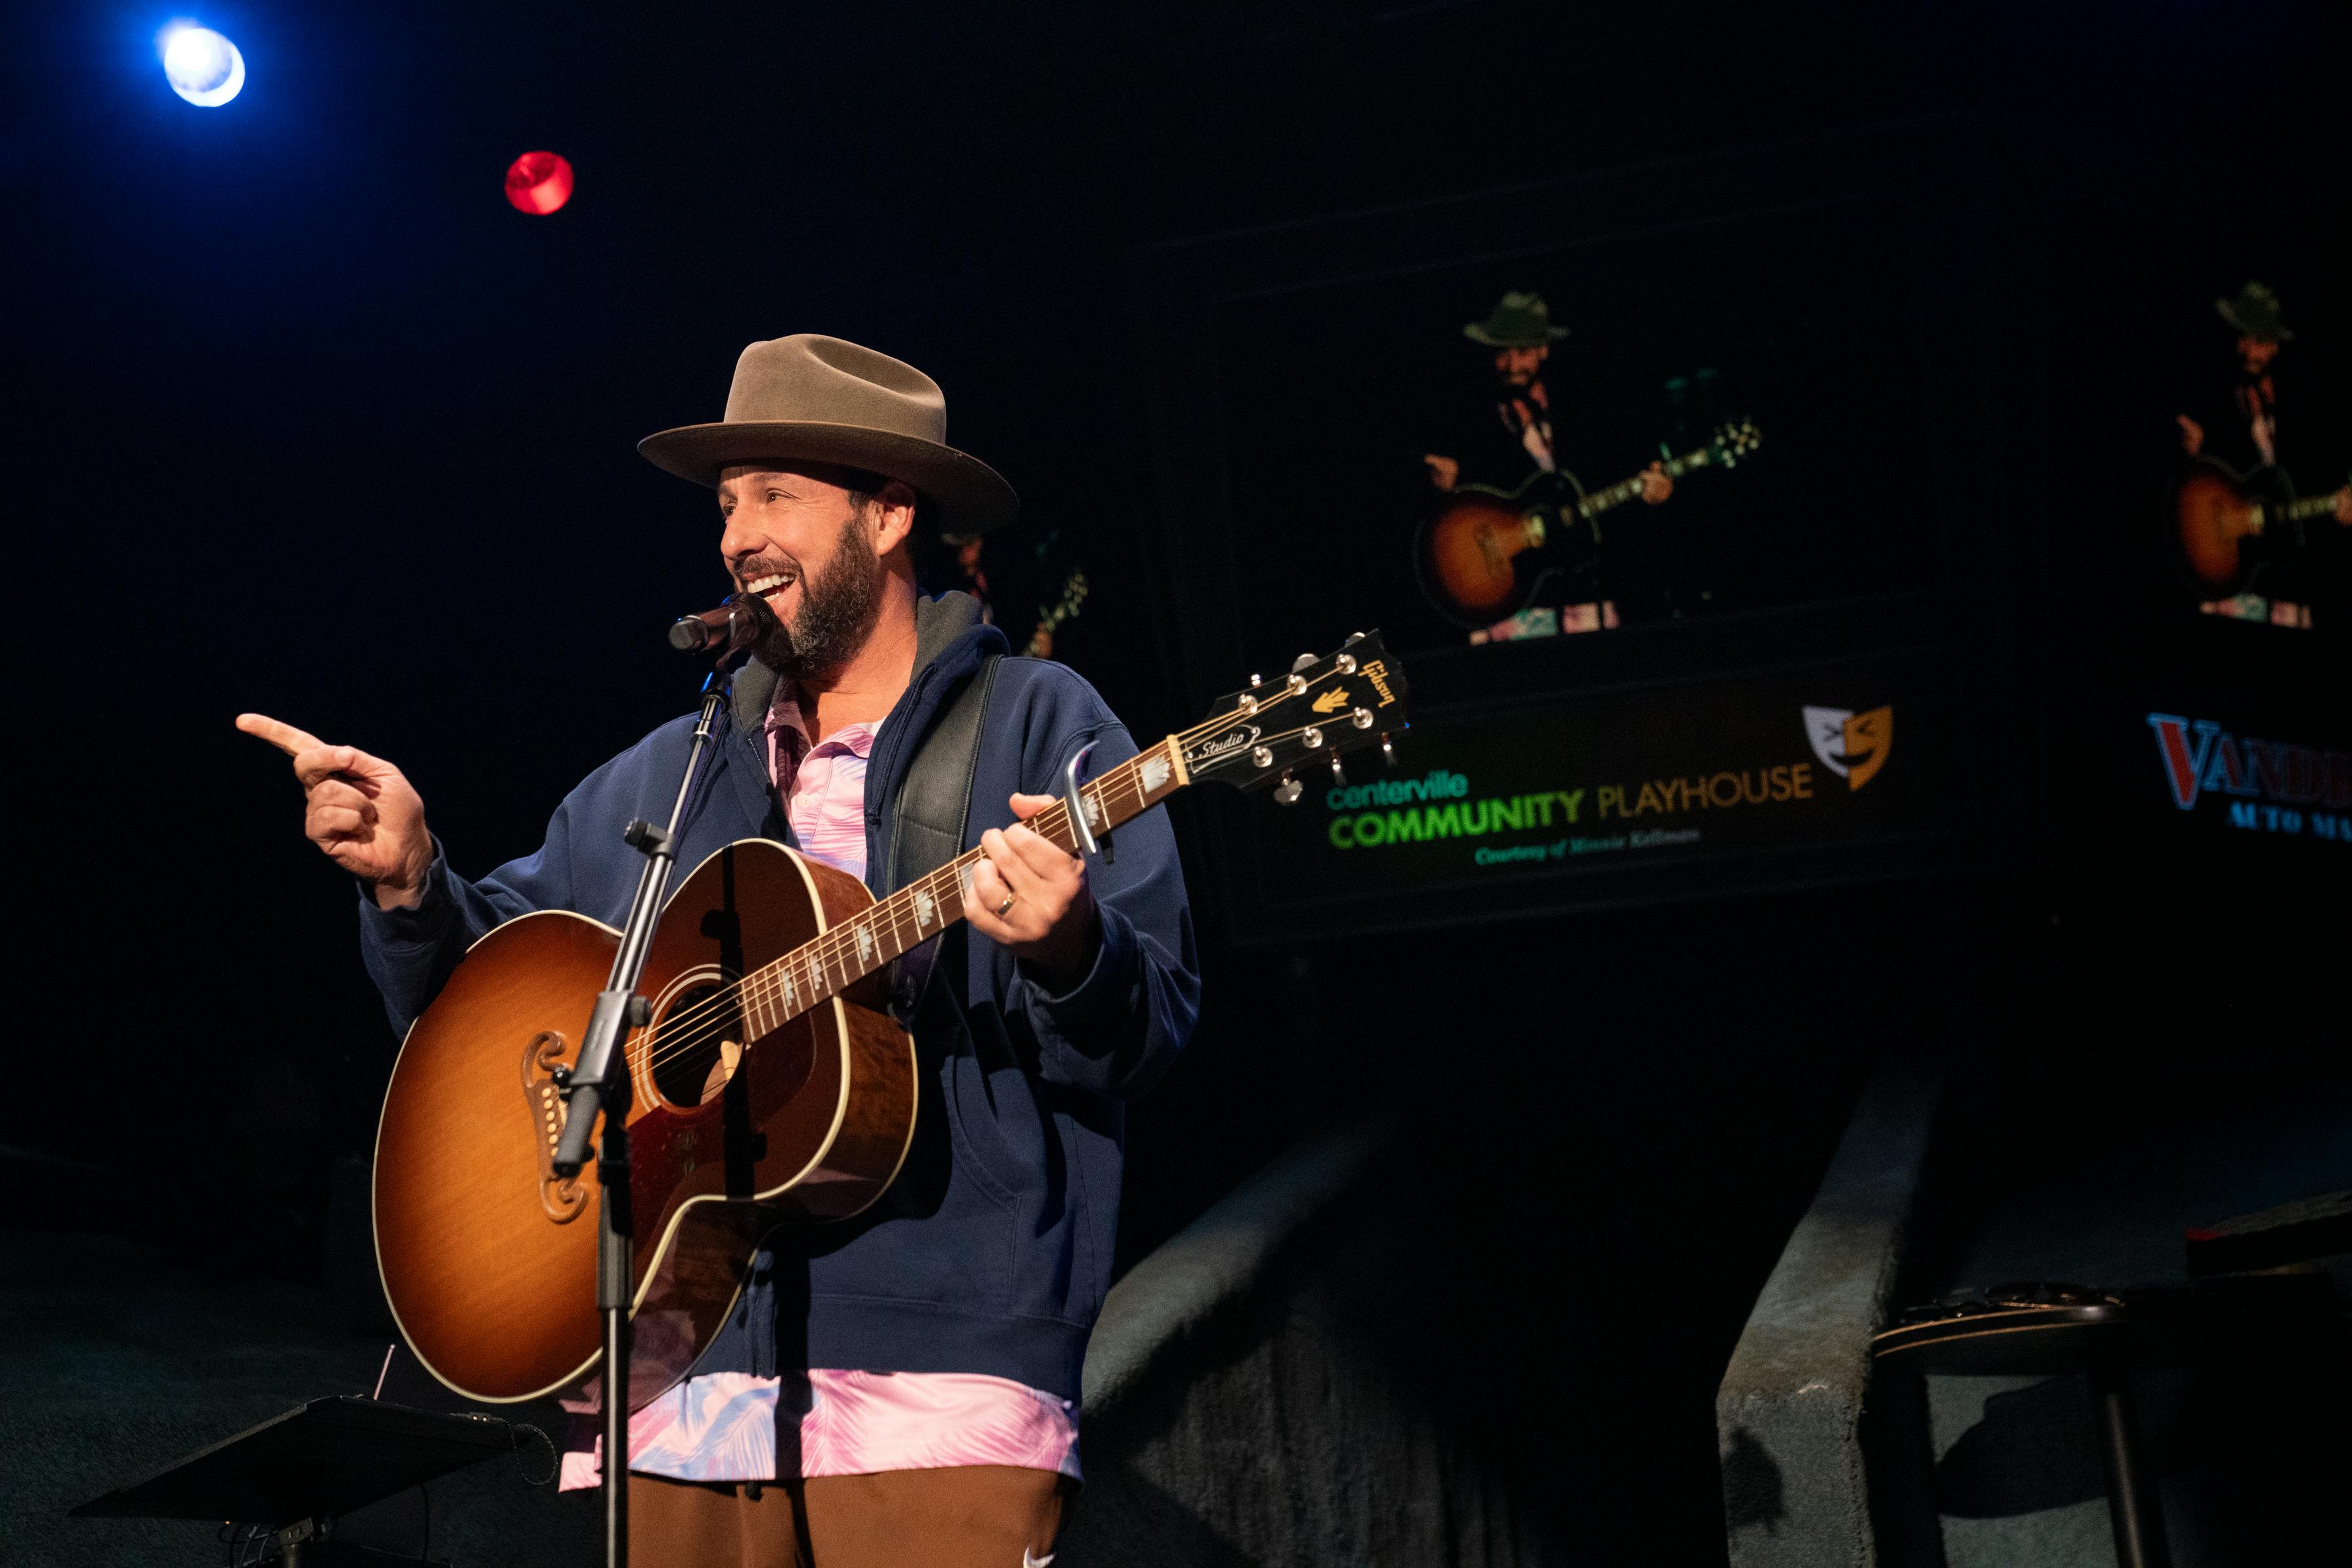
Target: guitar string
x=1697 y=458
x=811 y=963
x=834 y=947
x=764 y=987
x=705 y=1023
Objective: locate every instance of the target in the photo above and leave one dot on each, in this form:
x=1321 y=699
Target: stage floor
x=119 y=1362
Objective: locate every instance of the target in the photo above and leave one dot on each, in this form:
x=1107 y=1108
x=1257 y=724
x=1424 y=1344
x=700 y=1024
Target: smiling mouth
x=773 y=583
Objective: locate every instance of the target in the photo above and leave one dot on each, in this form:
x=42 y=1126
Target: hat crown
x=809 y=377
x=1520 y=319
x=2255 y=310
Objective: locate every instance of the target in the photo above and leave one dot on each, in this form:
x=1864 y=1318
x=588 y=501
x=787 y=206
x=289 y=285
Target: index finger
x=285 y=737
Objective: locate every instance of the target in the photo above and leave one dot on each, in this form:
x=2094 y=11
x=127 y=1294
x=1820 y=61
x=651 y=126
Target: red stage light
x=538 y=182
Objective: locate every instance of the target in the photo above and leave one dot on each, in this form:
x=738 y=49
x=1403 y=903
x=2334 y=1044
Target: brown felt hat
x=820 y=399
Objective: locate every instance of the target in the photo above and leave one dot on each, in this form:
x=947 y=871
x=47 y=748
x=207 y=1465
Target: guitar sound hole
x=697 y=1040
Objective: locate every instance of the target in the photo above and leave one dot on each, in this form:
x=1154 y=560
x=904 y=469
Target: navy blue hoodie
x=993 y=1250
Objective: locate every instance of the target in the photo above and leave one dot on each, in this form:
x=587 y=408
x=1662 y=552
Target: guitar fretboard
x=810 y=973
x=1597 y=502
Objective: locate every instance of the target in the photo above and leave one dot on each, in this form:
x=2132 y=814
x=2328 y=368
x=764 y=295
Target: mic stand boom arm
x=599 y=1081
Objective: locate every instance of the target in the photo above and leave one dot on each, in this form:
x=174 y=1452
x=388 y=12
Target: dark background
x=302 y=417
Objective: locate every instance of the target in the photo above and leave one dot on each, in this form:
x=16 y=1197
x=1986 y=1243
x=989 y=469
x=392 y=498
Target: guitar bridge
x=562 y=1197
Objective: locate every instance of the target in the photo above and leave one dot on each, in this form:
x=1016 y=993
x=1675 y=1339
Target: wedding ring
x=1010 y=900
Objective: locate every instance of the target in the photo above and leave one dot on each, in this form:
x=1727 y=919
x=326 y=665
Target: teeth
x=768 y=584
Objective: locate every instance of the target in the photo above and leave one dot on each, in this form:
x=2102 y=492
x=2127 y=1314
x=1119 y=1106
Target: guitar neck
x=2311 y=505
x=1598 y=501
x=922 y=909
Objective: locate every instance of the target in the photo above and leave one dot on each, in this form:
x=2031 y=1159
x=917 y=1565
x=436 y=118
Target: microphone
x=721 y=630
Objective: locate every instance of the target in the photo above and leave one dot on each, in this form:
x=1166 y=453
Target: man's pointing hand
x=362 y=811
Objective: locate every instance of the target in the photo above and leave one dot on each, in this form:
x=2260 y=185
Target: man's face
x=1520 y=367
x=2256 y=353
x=807 y=562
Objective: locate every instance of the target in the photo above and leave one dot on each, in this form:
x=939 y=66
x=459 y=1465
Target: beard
x=838 y=612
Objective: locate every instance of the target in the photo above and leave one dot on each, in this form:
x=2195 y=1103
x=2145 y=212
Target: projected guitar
x=770 y=1083
x=1484 y=552
x=2226 y=525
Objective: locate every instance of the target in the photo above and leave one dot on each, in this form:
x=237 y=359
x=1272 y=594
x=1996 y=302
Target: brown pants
x=970 y=1516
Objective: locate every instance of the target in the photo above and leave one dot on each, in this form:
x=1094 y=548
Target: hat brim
x=972 y=497
x=2269 y=334
x=1477 y=333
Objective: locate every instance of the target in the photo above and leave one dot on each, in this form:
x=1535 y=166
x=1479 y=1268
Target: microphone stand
x=599 y=1081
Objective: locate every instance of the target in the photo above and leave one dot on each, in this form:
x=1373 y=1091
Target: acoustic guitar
x=1484 y=552
x=770 y=1083
x=2226 y=526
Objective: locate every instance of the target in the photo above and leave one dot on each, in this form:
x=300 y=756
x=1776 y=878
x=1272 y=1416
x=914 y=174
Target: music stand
x=297 y=1473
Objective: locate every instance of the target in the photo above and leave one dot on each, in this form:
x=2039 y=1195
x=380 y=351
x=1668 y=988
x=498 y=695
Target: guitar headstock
x=1733 y=441
x=1265 y=733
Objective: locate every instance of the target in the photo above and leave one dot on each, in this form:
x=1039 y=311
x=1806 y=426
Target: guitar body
x=2220 y=518
x=1484 y=551
x=489 y=1261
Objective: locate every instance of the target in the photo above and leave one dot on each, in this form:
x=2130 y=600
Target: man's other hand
x=1655 y=486
x=362 y=811
x=2192 y=434
x=1049 y=923
x=1443 y=471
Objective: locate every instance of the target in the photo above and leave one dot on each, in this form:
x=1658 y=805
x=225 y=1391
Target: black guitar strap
x=933 y=811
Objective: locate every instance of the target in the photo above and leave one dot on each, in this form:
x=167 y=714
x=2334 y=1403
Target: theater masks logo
x=1850 y=744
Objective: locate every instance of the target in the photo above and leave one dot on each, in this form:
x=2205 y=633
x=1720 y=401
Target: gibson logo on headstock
x=1377 y=673
x=1231 y=740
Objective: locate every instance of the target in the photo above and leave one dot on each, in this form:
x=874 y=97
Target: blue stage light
x=203 y=66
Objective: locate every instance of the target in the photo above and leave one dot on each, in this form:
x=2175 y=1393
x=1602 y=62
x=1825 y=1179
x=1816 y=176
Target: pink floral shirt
x=734 y=1427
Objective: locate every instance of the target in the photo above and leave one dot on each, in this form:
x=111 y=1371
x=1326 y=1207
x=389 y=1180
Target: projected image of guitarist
x=2239 y=526
x=1510 y=439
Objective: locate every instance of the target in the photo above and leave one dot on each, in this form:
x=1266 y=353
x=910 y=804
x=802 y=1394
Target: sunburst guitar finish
x=768 y=1084
x=489 y=1260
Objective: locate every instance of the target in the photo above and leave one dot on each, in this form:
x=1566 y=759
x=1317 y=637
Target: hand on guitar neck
x=1445 y=473
x=1031 y=897
x=362 y=812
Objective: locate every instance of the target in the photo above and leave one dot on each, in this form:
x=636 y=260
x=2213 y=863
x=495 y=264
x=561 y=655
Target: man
x=2245 y=432
x=1511 y=440
x=907 y=1381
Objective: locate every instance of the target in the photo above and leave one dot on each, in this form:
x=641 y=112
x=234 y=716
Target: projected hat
x=1519 y=321
x=820 y=399
x=2255 y=310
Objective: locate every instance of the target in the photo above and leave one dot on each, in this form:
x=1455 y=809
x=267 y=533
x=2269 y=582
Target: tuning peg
x=1338 y=774
x=1256 y=680
x=1388 y=750
x=1304 y=661
x=1287 y=792
x=1353 y=639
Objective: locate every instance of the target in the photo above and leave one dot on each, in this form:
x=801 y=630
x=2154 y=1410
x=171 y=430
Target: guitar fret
x=832 y=962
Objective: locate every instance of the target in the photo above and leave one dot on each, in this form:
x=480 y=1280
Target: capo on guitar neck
x=1080 y=828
